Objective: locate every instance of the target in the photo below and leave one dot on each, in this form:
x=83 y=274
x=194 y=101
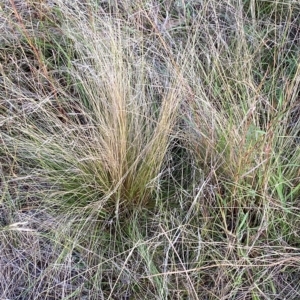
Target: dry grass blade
x=149 y=149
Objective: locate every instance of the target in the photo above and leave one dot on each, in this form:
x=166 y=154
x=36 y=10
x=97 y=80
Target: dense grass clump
x=149 y=149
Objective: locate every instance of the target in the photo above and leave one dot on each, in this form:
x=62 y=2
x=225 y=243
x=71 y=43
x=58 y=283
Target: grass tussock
x=149 y=150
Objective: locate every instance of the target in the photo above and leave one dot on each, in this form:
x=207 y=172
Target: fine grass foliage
x=149 y=149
